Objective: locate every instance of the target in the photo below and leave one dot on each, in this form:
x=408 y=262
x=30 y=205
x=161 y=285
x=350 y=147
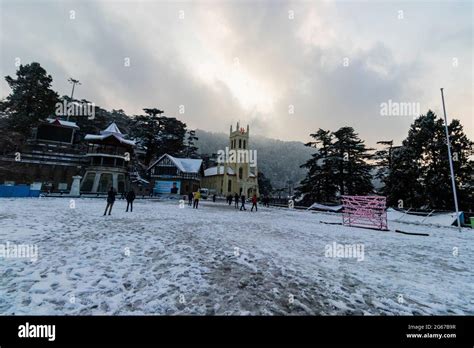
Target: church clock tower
x=238 y=172
x=244 y=182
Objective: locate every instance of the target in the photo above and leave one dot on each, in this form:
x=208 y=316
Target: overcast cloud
x=253 y=61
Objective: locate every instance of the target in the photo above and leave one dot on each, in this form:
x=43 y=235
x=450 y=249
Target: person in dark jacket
x=190 y=198
x=236 y=199
x=214 y=198
x=130 y=198
x=242 y=200
x=110 y=200
x=254 y=202
x=266 y=201
x=229 y=199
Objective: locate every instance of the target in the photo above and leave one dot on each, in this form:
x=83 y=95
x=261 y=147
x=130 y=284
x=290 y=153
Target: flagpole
x=448 y=143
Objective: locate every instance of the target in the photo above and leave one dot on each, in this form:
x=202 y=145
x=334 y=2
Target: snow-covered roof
x=112 y=128
x=214 y=171
x=111 y=131
x=105 y=136
x=62 y=122
x=436 y=219
x=185 y=165
x=190 y=165
x=317 y=206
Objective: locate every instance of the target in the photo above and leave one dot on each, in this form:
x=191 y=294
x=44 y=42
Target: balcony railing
x=107 y=150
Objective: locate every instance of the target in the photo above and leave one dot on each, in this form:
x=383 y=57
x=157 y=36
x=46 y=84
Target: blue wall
x=18 y=191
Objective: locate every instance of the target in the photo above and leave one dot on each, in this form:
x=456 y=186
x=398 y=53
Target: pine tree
x=402 y=185
x=319 y=184
x=264 y=185
x=31 y=99
x=191 y=149
x=351 y=170
x=209 y=160
x=171 y=136
x=145 y=129
x=338 y=167
x=463 y=163
x=158 y=134
x=383 y=159
x=420 y=174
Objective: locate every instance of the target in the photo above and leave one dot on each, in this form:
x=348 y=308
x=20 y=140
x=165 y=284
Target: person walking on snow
x=190 y=198
x=236 y=199
x=254 y=202
x=242 y=198
x=197 y=197
x=110 y=200
x=130 y=198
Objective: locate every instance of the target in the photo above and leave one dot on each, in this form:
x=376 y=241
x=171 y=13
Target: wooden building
x=108 y=155
x=172 y=175
x=51 y=157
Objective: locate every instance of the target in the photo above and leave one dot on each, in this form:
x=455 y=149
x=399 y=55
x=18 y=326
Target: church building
x=237 y=173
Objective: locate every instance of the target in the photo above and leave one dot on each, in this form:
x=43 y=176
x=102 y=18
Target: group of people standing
x=242 y=197
x=129 y=196
x=193 y=199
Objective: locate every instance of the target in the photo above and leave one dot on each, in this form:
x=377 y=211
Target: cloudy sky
x=285 y=67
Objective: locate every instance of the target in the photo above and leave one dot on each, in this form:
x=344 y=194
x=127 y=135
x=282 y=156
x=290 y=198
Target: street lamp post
x=448 y=143
x=74 y=83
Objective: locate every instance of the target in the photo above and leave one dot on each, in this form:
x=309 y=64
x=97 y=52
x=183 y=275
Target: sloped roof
x=105 y=136
x=111 y=131
x=62 y=122
x=185 y=165
x=190 y=165
x=112 y=128
x=214 y=171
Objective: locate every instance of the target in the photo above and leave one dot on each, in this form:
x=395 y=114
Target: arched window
x=121 y=183
x=244 y=144
x=240 y=143
x=105 y=182
x=241 y=172
x=88 y=182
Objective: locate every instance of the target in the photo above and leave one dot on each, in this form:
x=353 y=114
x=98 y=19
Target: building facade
x=50 y=158
x=108 y=159
x=173 y=175
x=235 y=173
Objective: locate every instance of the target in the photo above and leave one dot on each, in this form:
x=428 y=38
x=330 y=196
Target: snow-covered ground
x=163 y=259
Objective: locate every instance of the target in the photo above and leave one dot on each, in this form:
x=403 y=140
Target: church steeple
x=239 y=139
x=234 y=175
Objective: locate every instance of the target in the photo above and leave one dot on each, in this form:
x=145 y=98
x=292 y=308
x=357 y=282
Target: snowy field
x=163 y=259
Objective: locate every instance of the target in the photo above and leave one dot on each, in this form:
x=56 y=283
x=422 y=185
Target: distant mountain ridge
x=278 y=160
